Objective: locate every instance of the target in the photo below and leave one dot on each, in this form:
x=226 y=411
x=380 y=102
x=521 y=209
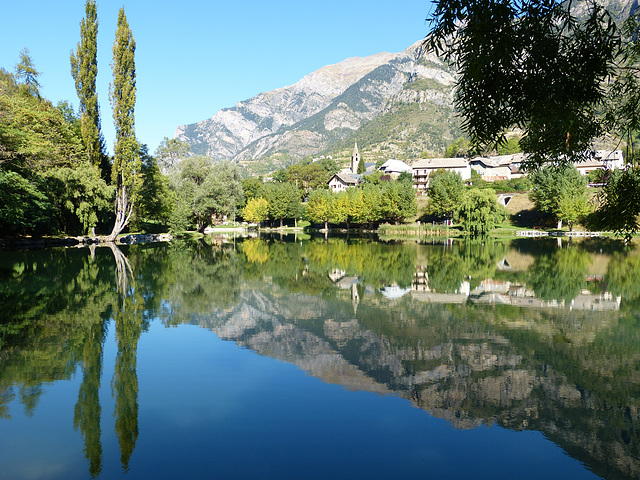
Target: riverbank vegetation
x=56 y=177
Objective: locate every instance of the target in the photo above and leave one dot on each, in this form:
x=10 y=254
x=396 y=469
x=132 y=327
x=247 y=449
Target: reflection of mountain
x=468 y=364
x=571 y=373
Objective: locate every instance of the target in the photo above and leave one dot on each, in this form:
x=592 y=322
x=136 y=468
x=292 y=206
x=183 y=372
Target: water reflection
x=524 y=333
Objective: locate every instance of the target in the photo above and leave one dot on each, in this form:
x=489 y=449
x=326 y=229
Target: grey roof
x=435 y=163
x=347 y=178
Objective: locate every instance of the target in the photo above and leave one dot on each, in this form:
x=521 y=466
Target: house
x=424 y=167
x=602 y=160
x=500 y=167
x=341 y=181
x=394 y=168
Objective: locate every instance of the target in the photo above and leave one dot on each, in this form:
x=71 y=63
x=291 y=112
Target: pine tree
x=125 y=173
x=84 y=70
x=361 y=167
x=26 y=71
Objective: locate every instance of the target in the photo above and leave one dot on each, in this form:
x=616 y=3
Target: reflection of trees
x=560 y=275
x=378 y=264
x=127 y=313
x=623 y=276
x=125 y=378
x=446 y=272
x=52 y=299
x=88 y=411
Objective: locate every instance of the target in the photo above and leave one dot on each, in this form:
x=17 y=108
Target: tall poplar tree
x=125 y=174
x=84 y=70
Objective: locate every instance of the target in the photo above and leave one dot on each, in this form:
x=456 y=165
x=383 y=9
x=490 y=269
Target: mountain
x=393 y=104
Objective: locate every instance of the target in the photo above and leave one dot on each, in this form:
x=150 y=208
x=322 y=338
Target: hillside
x=394 y=105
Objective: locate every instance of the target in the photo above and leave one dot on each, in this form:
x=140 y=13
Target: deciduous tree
x=479 y=212
x=532 y=65
x=562 y=192
x=84 y=70
x=122 y=92
x=256 y=210
x=320 y=207
x=445 y=193
x=171 y=151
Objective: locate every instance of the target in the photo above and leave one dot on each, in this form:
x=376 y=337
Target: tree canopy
x=84 y=70
x=445 y=192
x=531 y=65
x=122 y=92
x=561 y=191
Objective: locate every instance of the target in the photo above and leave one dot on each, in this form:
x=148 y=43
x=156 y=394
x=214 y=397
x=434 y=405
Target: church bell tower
x=355 y=159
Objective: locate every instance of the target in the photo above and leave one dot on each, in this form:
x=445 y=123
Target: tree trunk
x=124 y=209
x=326 y=226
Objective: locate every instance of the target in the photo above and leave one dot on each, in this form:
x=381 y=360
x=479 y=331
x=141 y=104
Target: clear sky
x=195 y=57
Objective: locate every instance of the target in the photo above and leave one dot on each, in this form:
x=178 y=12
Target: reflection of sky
x=209 y=408
x=394 y=291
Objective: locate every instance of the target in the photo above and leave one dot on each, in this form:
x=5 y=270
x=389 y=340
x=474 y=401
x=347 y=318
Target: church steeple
x=355 y=159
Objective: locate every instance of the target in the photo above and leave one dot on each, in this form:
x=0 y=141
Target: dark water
x=269 y=358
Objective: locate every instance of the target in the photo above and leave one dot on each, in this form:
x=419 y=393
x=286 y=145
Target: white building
x=424 y=167
x=602 y=160
x=500 y=167
x=341 y=181
x=394 y=167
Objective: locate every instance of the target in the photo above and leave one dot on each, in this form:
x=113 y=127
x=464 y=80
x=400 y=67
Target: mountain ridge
x=324 y=109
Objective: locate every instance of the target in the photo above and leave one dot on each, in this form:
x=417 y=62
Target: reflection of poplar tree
x=88 y=411
x=124 y=385
x=125 y=380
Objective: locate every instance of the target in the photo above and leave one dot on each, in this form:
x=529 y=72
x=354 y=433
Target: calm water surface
x=304 y=358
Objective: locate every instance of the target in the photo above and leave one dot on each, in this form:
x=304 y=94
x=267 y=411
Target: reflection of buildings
x=492 y=291
x=421 y=291
x=344 y=282
x=467 y=371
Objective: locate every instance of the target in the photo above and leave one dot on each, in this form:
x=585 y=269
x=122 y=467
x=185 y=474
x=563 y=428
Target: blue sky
x=195 y=57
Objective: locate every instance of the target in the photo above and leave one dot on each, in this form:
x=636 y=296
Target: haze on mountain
x=393 y=104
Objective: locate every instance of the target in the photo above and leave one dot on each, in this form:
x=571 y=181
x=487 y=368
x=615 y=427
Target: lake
x=297 y=357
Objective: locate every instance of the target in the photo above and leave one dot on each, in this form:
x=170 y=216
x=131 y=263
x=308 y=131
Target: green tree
x=26 y=71
x=530 y=64
x=509 y=147
x=459 y=148
x=620 y=203
x=34 y=135
x=561 y=191
x=252 y=187
x=284 y=201
x=205 y=191
x=320 y=207
x=256 y=210
x=479 y=212
x=397 y=201
x=122 y=92
x=219 y=194
x=171 y=151
x=24 y=209
x=80 y=197
x=445 y=193
x=84 y=70
x=156 y=198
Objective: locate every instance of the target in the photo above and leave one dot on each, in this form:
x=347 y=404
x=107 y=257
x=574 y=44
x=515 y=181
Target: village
x=490 y=169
